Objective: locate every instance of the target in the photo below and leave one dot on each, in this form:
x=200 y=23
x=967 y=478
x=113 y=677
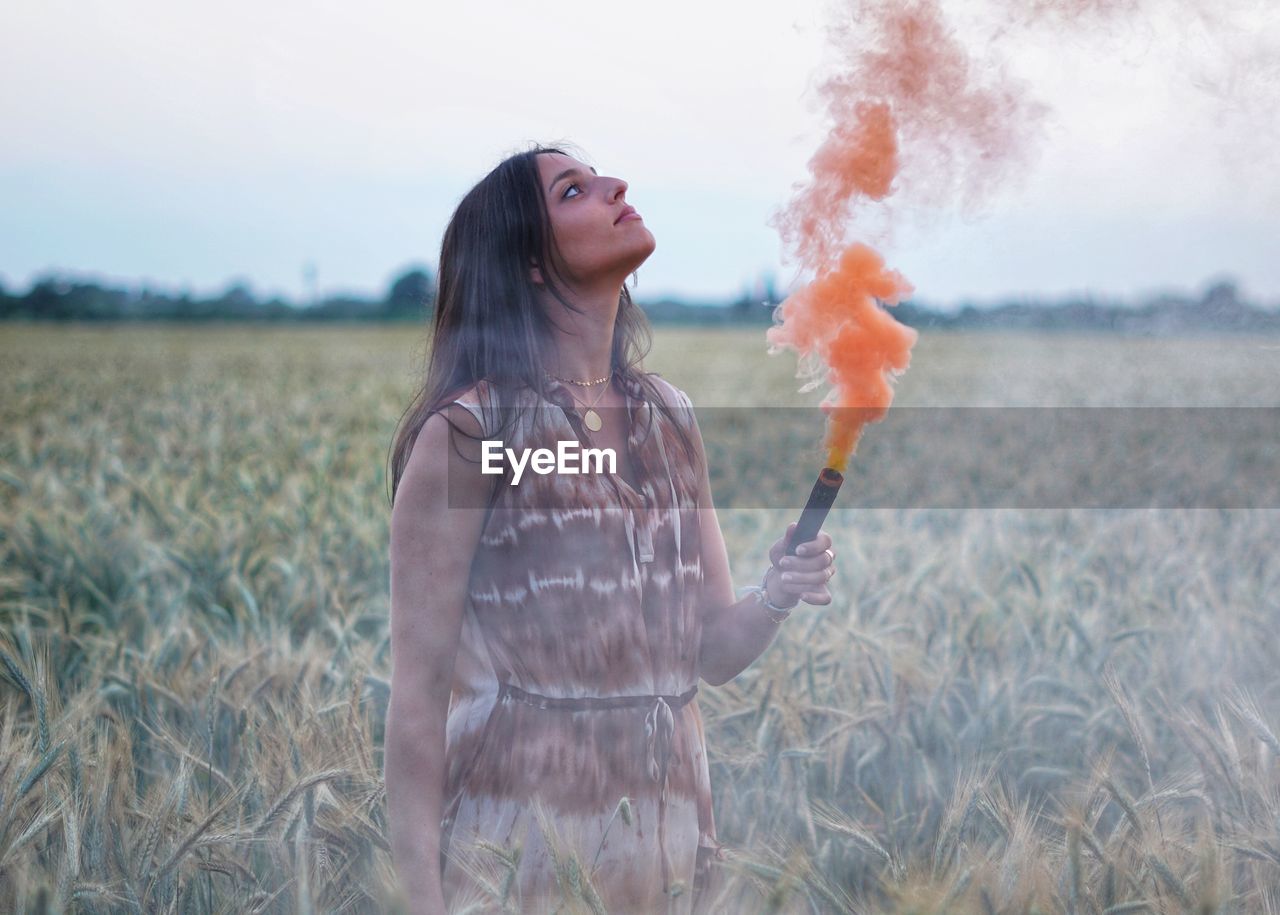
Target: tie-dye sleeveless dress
x=575 y=673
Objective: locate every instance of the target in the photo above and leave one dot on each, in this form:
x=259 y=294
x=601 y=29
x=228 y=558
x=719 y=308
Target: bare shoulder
x=443 y=466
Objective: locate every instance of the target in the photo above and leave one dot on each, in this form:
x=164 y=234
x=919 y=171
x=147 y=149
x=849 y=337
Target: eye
x=565 y=195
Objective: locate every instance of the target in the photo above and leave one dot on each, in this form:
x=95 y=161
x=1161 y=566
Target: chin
x=646 y=250
x=629 y=259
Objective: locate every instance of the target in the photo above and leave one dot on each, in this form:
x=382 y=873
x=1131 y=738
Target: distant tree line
x=411 y=298
x=1219 y=309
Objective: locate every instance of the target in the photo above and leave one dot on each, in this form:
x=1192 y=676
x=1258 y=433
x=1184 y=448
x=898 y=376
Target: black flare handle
x=815 y=510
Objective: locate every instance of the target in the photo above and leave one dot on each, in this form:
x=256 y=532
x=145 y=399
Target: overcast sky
x=188 y=146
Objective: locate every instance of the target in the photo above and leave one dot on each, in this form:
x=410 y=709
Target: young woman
x=548 y=636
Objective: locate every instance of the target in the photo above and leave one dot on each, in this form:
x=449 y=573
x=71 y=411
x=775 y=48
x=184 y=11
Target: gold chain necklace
x=585 y=384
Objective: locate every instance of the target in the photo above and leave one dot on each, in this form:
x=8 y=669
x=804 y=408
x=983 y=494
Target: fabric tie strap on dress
x=659 y=730
x=586 y=703
x=659 y=723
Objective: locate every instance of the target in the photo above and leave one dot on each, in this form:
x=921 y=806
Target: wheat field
x=1002 y=710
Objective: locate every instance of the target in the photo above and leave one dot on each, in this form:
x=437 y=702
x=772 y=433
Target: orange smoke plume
x=918 y=118
x=836 y=317
x=908 y=98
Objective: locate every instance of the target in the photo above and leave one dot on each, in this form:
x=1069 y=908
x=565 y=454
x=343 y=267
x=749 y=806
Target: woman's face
x=596 y=244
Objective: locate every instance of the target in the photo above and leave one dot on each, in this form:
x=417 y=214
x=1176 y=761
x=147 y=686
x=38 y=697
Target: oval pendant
x=592 y=420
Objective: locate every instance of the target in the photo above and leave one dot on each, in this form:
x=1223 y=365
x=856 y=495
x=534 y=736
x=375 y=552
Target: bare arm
x=432 y=546
x=736 y=632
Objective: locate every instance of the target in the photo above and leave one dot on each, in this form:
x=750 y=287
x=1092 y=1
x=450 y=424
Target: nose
x=620 y=189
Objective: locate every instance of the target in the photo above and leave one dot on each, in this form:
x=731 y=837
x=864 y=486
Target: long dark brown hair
x=489 y=323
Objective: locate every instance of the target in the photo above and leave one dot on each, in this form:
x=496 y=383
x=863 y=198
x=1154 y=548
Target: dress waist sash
x=592 y=702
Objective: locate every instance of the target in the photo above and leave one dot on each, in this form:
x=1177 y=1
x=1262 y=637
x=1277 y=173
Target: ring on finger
x=831 y=557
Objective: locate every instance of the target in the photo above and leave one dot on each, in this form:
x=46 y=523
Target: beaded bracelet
x=775 y=613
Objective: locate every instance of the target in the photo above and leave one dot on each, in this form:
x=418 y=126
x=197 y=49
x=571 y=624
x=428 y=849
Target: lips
x=627 y=211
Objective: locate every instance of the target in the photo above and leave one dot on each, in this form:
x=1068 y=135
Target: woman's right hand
x=804 y=576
